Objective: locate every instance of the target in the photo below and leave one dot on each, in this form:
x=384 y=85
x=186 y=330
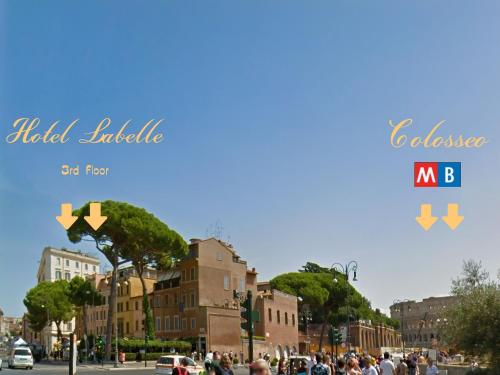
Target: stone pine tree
x=82 y=293
x=129 y=234
x=47 y=303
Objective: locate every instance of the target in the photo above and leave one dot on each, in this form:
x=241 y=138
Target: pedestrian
x=302 y=370
x=225 y=366
x=319 y=368
x=329 y=364
x=402 y=367
x=281 y=366
x=260 y=367
x=341 y=367
x=431 y=368
x=121 y=357
x=181 y=369
x=353 y=367
x=368 y=369
x=310 y=362
x=387 y=366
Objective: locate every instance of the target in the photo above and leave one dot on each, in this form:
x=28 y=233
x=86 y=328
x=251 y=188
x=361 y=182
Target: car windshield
x=22 y=352
x=166 y=360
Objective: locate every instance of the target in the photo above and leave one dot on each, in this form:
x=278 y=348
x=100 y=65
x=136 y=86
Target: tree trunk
x=111 y=310
x=146 y=309
x=323 y=326
x=85 y=318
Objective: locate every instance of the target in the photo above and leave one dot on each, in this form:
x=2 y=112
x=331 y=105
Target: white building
x=63 y=264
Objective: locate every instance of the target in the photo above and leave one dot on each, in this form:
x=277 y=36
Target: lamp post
x=346 y=270
x=398 y=306
x=306 y=314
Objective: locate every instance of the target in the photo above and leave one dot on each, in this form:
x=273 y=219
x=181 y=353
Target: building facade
x=422 y=321
x=62 y=264
x=195 y=301
x=129 y=303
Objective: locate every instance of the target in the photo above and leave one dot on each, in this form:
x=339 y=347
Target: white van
x=21 y=357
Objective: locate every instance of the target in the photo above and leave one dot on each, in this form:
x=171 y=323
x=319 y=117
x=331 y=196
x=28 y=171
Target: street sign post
x=72 y=354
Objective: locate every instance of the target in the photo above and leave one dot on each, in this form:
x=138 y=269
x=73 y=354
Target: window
x=136 y=305
x=166 y=300
x=58 y=261
x=87 y=267
x=184 y=324
x=193 y=274
x=70 y=326
x=67 y=262
x=286 y=318
x=67 y=276
x=136 y=325
x=226 y=282
x=183 y=275
x=278 y=318
x=193 y=304
x=167 y=323
x=176 y=322
x=219 y=256
x=175 y=299
x=270 y=315
x=77 y=264
x=58 y=275
x=126 y=307
x=293 y=320
x=93 y=267
x=193 y=323
x=242 y=284
x=127 y=329
x=158 y=323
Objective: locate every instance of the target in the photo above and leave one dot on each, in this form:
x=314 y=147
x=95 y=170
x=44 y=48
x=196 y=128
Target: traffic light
x=335 y=336
x=245 y=311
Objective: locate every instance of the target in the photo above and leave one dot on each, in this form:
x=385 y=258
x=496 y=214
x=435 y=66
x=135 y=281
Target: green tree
x=82 y=293
x=149 y=242
x=121 y=238
x=329 y=297
x=473 y=323
x=47 y=303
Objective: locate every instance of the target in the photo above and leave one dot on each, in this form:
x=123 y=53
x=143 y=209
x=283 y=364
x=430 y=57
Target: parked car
x=21 y=357
x=167 y=363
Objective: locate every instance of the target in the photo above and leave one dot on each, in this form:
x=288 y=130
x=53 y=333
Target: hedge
x=133 y=345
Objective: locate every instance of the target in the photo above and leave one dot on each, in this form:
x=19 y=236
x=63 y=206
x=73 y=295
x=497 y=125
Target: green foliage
x=473 y=323
x=49 y=302
x=132 y=234
x=329 y=296
x=274 y=362
x=129 y=345
x=82 y=292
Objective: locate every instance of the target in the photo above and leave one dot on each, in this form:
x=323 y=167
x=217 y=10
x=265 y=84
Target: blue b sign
x=437 y=174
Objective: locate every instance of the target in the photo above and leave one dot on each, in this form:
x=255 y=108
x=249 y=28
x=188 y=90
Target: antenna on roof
x=215 y=230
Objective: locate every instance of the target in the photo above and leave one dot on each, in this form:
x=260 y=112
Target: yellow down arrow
x=453 y=219
x=95 y=219
x=66 y=219
x=426 y=220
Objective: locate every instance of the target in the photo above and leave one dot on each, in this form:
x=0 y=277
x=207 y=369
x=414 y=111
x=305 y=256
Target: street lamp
x=398 y=306
x=346 y=270
x=306 y=314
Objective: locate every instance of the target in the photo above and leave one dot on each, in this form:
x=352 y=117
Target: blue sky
x=276 y=124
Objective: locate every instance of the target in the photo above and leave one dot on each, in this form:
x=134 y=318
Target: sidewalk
x=110 y=366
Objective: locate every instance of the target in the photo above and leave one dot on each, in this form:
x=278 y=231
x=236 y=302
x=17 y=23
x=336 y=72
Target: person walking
x=260 y=367
x=431 y=368
x=319 y=368
x=353 y=367
x=281 y=366
x=402 y=367
x=387 y=366
x=341 y=367
x=225 y=366
x=182 y=368
x=368 y=369
x=329 y=365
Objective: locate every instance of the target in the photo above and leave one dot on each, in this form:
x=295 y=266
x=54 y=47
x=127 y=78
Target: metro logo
x=437 y=174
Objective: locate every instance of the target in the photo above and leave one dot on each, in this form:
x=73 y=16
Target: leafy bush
x=133 y=345
x=274 y=361
x=235 y=361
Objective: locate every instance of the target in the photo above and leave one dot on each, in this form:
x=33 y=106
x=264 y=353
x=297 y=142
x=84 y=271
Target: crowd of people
x=323 y=364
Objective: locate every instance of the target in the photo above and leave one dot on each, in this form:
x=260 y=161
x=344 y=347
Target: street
x=43 y=368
